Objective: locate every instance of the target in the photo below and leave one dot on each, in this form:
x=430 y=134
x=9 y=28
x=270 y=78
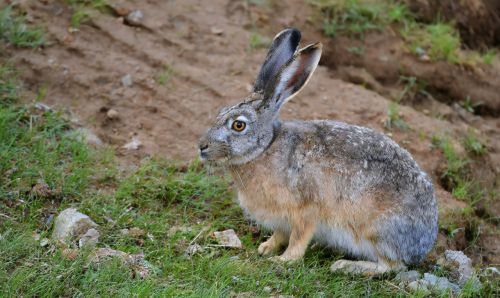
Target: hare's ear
x=282 y=49
x=292 y=77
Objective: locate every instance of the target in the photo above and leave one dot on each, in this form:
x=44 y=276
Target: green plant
x=469 y=105
x=165 y=75
x=393 y=118
x=14 y=30
x=473 y=145
x=258 y=41
x=82 y=10
x=488 y=57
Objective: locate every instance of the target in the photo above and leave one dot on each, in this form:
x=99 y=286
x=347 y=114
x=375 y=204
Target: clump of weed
x=165 y=75
x=14 y=30
x=8 y=85
x=488 y=57
x=394 y=119
x=469 y=105
x=258 y=41
x=456 y=165
x=473 y=145
x=82 y=10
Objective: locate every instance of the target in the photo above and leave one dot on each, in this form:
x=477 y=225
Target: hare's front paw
x=267 y=247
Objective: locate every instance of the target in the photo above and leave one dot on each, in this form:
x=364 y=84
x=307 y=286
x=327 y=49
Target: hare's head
x=242 y=132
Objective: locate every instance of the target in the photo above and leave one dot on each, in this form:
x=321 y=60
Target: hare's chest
x=264 y=198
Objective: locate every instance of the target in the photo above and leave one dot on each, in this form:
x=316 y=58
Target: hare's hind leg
x=366 y=268
x=275 y=242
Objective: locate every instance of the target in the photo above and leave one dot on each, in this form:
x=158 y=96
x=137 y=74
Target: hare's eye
x=238 y=125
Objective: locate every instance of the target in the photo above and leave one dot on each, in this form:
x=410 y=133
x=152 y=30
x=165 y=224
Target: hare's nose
x=203 y=147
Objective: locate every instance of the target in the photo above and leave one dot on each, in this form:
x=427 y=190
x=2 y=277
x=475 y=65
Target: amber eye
x=238 y=125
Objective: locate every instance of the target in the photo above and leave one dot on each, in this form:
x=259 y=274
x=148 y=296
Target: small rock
x=234 y=258
x=87 y=136
x=419 y=51
x=407 y=276
x=216 y=31
x=121 y=11
x=440 y=283
x=137 y=263
x=112 y=114
x=71 y=223
x=127 y=80
x=419 y=285
x=43 y=107
x=267 y=289
x=135 y=144
x=89 y=238
x=425 y=58
x=41 y=189
x=228 y=238
x=36 y=236
x=235 y=278
x=134 y=18
x=458 y=264
x=124 y=231
x=193 y=249
x=137 y=232
x=69 y=253
x=44 y=242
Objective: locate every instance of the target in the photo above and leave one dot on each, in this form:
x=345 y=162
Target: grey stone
x=71 y=223
x=135 y=18
x=267 y=289
x=440 y=283
x=89 y=238
x=228 y=238
x=459 y=265
x=127 y=80
x=193 y=249
x=139 y=265
x=419 y=285
x=86 y=135
x=407 y=276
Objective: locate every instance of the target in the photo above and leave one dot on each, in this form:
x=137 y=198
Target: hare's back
x=352 y=151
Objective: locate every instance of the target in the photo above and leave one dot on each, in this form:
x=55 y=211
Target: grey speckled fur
x=322 y=163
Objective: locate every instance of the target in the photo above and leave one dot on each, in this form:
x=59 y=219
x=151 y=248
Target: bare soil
x=206 y=48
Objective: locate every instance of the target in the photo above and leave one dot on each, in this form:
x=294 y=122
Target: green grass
x=393 y=119
x=82 y=10
x=15 y=31
x=165 y=75
x=473 y=145
x=258 y=41
x=158 y=197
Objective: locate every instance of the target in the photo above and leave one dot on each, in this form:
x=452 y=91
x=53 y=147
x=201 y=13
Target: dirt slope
x=206 y=47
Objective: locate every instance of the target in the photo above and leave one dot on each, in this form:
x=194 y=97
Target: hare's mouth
x=214 y=153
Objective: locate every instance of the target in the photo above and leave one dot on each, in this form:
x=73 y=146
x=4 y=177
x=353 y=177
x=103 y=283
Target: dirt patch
x=188 y=59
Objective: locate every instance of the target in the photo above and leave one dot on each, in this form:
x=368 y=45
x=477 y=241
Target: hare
x=346 y=186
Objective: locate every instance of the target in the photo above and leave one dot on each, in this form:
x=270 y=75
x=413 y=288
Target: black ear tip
x=292 y=34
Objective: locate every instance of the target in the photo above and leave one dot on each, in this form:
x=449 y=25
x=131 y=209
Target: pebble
x=267 y=289
x=458 y=264
x=228 y=238
x=408 y=276
x=71 y=223
x=135 y=18
x=89 y=238
x=193 y=249
x=135 y=144
x=86 y=135
x=112 y=114
x=127 y=80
